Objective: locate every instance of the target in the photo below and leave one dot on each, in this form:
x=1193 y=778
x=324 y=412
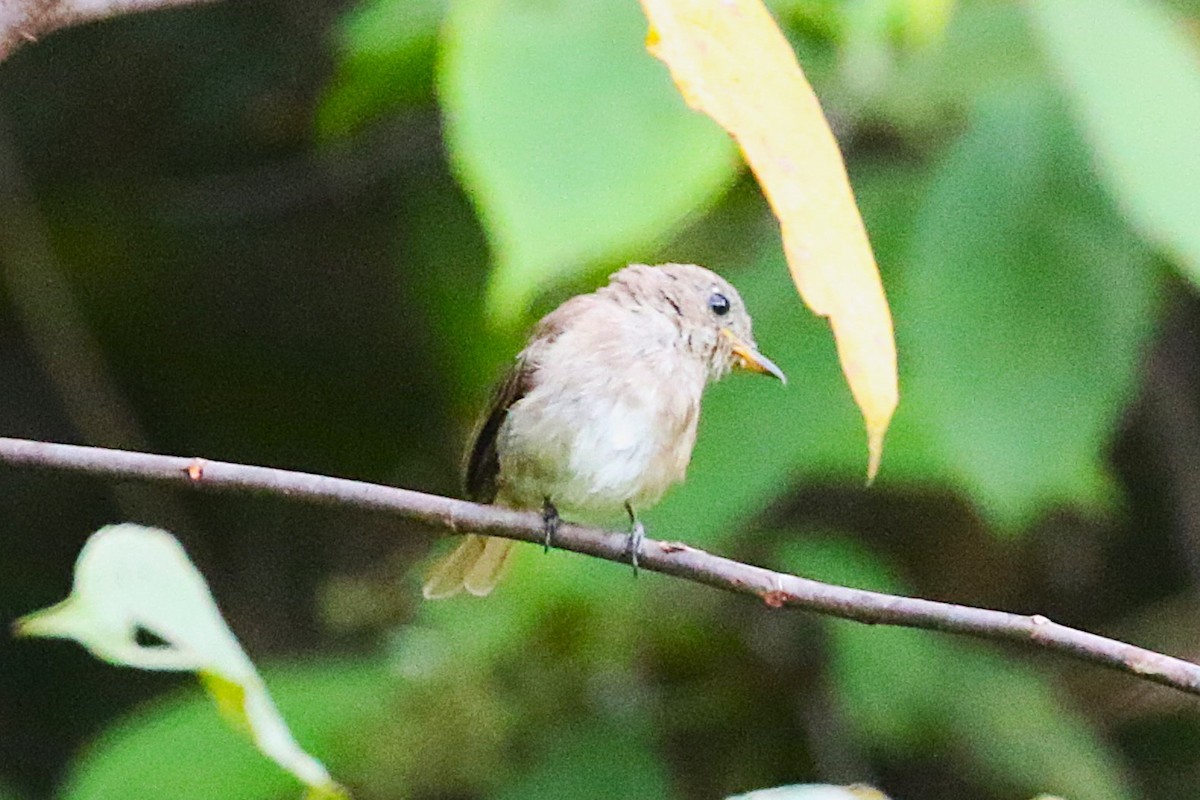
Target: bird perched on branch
x=598 y=413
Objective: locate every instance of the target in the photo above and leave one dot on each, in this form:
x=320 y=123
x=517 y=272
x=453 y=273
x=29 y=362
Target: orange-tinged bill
x=750 y=359
x=730 y=60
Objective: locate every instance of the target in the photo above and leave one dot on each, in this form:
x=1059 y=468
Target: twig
x=24 y=21
x=776 y=590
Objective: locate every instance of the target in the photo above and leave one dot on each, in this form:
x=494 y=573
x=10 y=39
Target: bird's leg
x=550 y=521
x=636 y=534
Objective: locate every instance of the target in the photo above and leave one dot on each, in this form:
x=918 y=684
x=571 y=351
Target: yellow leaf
x=731 y=61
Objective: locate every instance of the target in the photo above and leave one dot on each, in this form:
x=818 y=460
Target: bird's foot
x=637 y=533
x=550 y=522
x=636 y=537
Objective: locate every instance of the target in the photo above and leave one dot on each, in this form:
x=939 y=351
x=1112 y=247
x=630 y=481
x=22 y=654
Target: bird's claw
x=550 y=522
x=636 y=534
x=636 y=537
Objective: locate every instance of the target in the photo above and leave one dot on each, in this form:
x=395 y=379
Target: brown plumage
x=598 y=412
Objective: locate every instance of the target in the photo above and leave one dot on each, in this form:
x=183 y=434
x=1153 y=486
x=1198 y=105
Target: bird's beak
x=749 y=359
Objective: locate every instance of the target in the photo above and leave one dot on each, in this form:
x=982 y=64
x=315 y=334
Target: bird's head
x=710 y=319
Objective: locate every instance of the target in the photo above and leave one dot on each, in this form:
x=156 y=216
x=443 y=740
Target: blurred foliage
x=1015 y=193
x=639 y=160
x=286 y=228
x=153 y=753
x=900 y=688
x=386 y=59
x=1133 y=75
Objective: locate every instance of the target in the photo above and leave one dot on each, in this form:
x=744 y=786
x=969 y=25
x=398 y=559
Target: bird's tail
x=475 y=565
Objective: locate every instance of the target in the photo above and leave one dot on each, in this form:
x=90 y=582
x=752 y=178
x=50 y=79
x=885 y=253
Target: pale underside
x=590 y=437
x=585 y=454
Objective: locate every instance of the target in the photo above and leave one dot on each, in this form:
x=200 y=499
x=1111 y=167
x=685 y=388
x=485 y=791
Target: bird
x=598 y=412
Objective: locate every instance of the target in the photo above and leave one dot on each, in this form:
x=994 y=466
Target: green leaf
x=152 y=753
x=570 y=138
x=1132 y=74
x=901 y=689
x=600 y=760
x=1026 y=307
x=385 y=56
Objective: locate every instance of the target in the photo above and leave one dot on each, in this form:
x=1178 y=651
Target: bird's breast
x=594 y=444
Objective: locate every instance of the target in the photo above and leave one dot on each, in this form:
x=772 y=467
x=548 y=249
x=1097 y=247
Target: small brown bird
x=598 y=413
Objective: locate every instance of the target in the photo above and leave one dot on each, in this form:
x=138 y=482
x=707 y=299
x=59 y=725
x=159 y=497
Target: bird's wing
x=483 y=460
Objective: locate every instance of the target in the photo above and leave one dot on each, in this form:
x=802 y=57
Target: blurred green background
x=310 y=235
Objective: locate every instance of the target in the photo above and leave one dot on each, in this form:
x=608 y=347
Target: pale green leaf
x=127 y=578
x=813 y=791
x=570 y=139
x=130 y=578
x=1132 y=74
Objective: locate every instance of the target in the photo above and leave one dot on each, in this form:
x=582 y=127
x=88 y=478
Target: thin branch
x=777 y=590
x=25 y=21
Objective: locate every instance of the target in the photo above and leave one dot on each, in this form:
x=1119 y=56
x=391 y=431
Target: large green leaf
x=1133 y=77
x=902 y=689
x=1026 y=309
x=570 y=138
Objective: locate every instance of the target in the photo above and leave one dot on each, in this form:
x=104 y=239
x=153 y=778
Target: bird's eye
x=719 y=304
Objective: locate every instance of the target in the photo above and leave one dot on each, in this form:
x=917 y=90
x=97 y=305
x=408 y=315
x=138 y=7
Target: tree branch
x=23 y=21
x=777 y=590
